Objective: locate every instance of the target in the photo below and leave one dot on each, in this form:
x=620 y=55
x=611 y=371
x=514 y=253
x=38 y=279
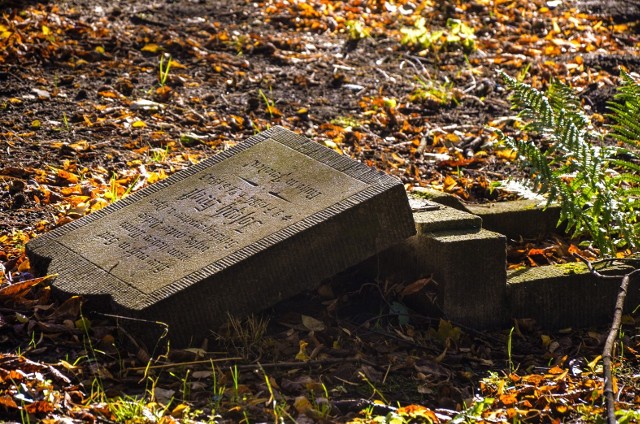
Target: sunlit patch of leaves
x=456 y=34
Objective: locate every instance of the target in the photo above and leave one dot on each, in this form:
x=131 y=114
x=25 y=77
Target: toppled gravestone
x=235 y=234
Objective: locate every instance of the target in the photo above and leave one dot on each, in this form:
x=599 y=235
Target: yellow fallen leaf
x=151 y=48
x=177 y=65
x=180 y=410
x=302 y=353
x=449 y=183
x=507 y=154
x=138 y=124
x=4 y=32
x=593 y=363
x=452 y=138
x=546 y=340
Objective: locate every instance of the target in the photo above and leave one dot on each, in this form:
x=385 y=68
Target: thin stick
x=185 y=364
x=607 y=351
x=326 y=361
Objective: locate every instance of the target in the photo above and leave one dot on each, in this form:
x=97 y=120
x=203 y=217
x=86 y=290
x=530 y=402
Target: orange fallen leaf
x=449 y=183
x=39 y=407
x=21 y=288
x=508 y=399
x=68 y=177
x=556 y=370
x=108 y=94
x=7 y=402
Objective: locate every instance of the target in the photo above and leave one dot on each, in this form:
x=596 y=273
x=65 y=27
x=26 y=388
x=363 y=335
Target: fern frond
x=564 y=100
x=628 y=178
x=574 y=169
x=534 y=104
x=624 y=111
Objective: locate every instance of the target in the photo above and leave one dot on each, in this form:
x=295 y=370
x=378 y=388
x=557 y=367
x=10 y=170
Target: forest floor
x=101 y=98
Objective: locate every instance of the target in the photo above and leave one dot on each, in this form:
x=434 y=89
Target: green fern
x=596 y=185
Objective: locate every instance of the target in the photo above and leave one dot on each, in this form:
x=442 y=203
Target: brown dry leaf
x=39 y=407
x=302 y=404
x=415 y=287
x=163 y=92
x=24 y=265
x=70 y=309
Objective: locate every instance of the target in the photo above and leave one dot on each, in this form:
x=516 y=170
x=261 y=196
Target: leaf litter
x=92 y=112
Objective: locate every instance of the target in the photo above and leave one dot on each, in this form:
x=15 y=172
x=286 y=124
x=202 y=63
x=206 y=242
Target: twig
x=327 y=361
x=184 y=364
x=607 y=351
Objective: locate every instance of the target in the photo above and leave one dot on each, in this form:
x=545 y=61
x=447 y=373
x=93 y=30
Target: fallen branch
x=607 y=351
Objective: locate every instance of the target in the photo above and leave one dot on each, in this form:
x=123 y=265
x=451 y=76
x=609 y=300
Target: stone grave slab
x=236 y=233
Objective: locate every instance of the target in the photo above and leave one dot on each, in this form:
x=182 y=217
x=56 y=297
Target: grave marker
x=236 y=233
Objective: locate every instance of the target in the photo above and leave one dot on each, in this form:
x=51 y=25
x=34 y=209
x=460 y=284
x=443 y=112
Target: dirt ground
x=73 y=98
x=90 y=110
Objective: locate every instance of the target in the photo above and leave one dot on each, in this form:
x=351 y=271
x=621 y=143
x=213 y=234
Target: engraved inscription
x=210 y=215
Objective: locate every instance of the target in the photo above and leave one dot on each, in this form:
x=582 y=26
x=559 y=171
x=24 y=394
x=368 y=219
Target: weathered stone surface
x=445 y=219
x=567 y=295
x=470 y=269
x=519 y=218
x=234 y=234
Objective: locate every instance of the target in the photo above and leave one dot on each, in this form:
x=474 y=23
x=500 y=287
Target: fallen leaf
x=302 y=404
x=20 y=289
x=151 y=48
x=312 y=324
x=302 y=354
x=415 y=287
